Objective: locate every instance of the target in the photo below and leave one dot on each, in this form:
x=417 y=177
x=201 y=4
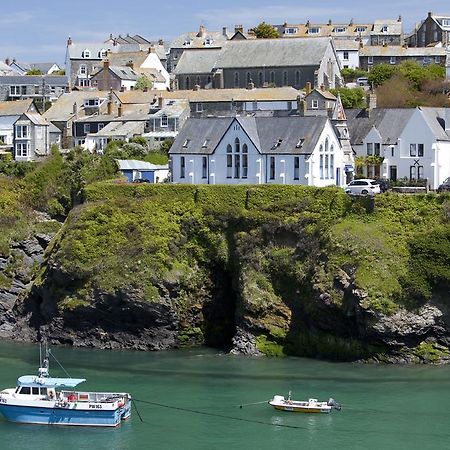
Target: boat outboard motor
x=334 y=404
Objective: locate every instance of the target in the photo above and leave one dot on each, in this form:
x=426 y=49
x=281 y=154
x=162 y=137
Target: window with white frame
x=291 y=30
x=369 y=147
x=315 y=104
x=102 y=53
x=199 y=107
x=229 y=161
x=209 y=41
x=22 y=149
x=272 y=168
x=321 y=162
x=360 y=29
x=164 y=121
x=384 y=29
x=86 y=53
x=100 y=126
x=87 y=128
x=370 y=60
x=446 y=22
x=17 y=91
x=326 y=160
x=22 y=132
x=244 y=161
x=314 y=30
x=416 y=150
x=392 y=60
x=339 y=30
x=84 y=82
x=345 y=55
x=91 y=102
x=82 y=69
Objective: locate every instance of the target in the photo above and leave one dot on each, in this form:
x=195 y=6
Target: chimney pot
x=224 y=31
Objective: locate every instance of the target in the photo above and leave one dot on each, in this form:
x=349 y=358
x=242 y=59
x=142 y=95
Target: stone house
x=120 y=78
x=32 y=86
x=433 y=30
x=263 y=62
x=394 y=55
x=387 y=32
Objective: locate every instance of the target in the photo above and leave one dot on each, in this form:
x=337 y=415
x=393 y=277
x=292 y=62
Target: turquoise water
x=384 y=407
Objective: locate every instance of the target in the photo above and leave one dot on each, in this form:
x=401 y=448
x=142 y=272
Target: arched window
x=297 y=78
x=244 y=161
x=198 y=81
x=229 y=149
x=285 y=78
x=244 y=148
x=237 y=145
x=86 y=53
x=260 y=79
x=272 y=77
x=236 y=79
x=188 y=83
x=249 y=78
x=229 y=161
x=326 y=144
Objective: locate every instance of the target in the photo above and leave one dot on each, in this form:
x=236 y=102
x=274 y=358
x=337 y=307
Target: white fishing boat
x=41 y=399
x=302 y=406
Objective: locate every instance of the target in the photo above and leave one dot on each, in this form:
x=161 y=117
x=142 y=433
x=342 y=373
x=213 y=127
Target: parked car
x=141 y=180
x=363 y=186
x=445 y=186
x=362 y=81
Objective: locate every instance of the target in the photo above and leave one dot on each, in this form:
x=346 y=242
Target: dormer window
x=209 y=41
x=446 y=22
x=384 y=29
x=314 y=30
x=187 y=43
x=339 y=30
x=86 y=53
x=291 y=30
x=186 y=143
x=102 y=53
x=360 y=29
x=91 y=102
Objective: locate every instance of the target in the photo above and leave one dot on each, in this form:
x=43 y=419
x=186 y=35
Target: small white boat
x=40 y=399
x=311 y=406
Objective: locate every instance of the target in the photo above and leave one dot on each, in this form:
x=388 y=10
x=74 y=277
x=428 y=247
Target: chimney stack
x=110 y=104
x=239 y=28
x=152 y=49
x=130 y=64
x=7 y=61
x=224 y=31
x=160 y=42
x=201 y=31
x=371 y=101
x=75 y=109
x=119 y=110
x=160 y=101
x=106 y=64
x=308 y=88
x=430 y=13
x=301 y=106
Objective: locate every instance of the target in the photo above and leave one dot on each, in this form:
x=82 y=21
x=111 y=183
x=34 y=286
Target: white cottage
x=412 y=143
x=257 y=150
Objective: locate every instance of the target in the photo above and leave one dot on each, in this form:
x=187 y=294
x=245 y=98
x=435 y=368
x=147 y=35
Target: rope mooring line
x=222 y=416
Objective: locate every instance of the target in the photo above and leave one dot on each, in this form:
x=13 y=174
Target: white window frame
x=87 y=128
x=345 y=55
x=20 y=134
x=370 y=60
x=164 y=121
x=82 y=70
x=23 y=146
x=361 y=29
x=291 y=30
x=86 y=53
x=392 y=60
x=314 y=30
x=314 y=104
x=199 y=107
x=340 y=30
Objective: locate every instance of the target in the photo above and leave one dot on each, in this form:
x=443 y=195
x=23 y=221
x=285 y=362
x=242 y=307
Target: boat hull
x=65 y=416
x=302 y=409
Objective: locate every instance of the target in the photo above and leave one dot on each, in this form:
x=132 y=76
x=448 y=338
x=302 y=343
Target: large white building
x=302 y=150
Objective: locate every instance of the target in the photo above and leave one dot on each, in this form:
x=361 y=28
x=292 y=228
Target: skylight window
x=300 y=143
x=205 y=144
x=186 y=143
x=277 y=144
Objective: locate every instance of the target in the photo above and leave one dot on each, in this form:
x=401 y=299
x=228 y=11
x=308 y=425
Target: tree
x=350 y=74
x=351 y=98
x=34 y=72
x=143 y=83
x=380 y=73
x=265 y=31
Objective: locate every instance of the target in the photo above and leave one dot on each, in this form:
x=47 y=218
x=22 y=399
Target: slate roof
x=118 y=129
x=255 y=53
x=36 y=118
x=435 y=118
x=15 y=108
x=197 y=39
x=264 y=132
x=75 y=50
x=51 y=80
x=394 y=27
x=326 y=29
x=390 y=123
x=124 y=73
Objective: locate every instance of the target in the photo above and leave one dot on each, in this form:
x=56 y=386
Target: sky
x=37 y=30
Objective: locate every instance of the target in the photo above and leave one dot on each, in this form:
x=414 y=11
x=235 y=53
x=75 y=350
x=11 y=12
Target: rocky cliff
x=276 y=270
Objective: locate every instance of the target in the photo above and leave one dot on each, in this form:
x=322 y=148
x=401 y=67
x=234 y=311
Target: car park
x=364 y=186
x=444 y=186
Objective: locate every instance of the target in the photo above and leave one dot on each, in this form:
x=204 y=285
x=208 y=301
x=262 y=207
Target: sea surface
x=196 y=396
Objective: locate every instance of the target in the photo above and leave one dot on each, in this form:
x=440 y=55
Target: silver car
x=363 y=186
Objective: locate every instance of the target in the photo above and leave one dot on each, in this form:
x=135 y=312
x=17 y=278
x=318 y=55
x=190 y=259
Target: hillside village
x=268 y=105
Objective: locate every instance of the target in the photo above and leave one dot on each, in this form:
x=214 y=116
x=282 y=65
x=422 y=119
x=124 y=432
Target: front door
x=393 y=173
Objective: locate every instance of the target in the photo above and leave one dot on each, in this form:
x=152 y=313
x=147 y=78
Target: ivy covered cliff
x=279 y=270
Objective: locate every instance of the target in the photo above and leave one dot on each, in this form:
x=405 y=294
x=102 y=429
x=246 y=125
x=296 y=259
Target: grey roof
x=51 y=80
x=390 y=123
x=394 y=27
x=197 y=61
x=264 y=132
x=43 y=67
x=124 y=73
x=134 y=164
x=255 y=53
x=198 y=39
x=75 y=50
x=435 y=118
x=118 y=129
x=346 y=44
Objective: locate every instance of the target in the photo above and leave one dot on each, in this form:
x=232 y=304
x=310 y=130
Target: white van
x=362 y=81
